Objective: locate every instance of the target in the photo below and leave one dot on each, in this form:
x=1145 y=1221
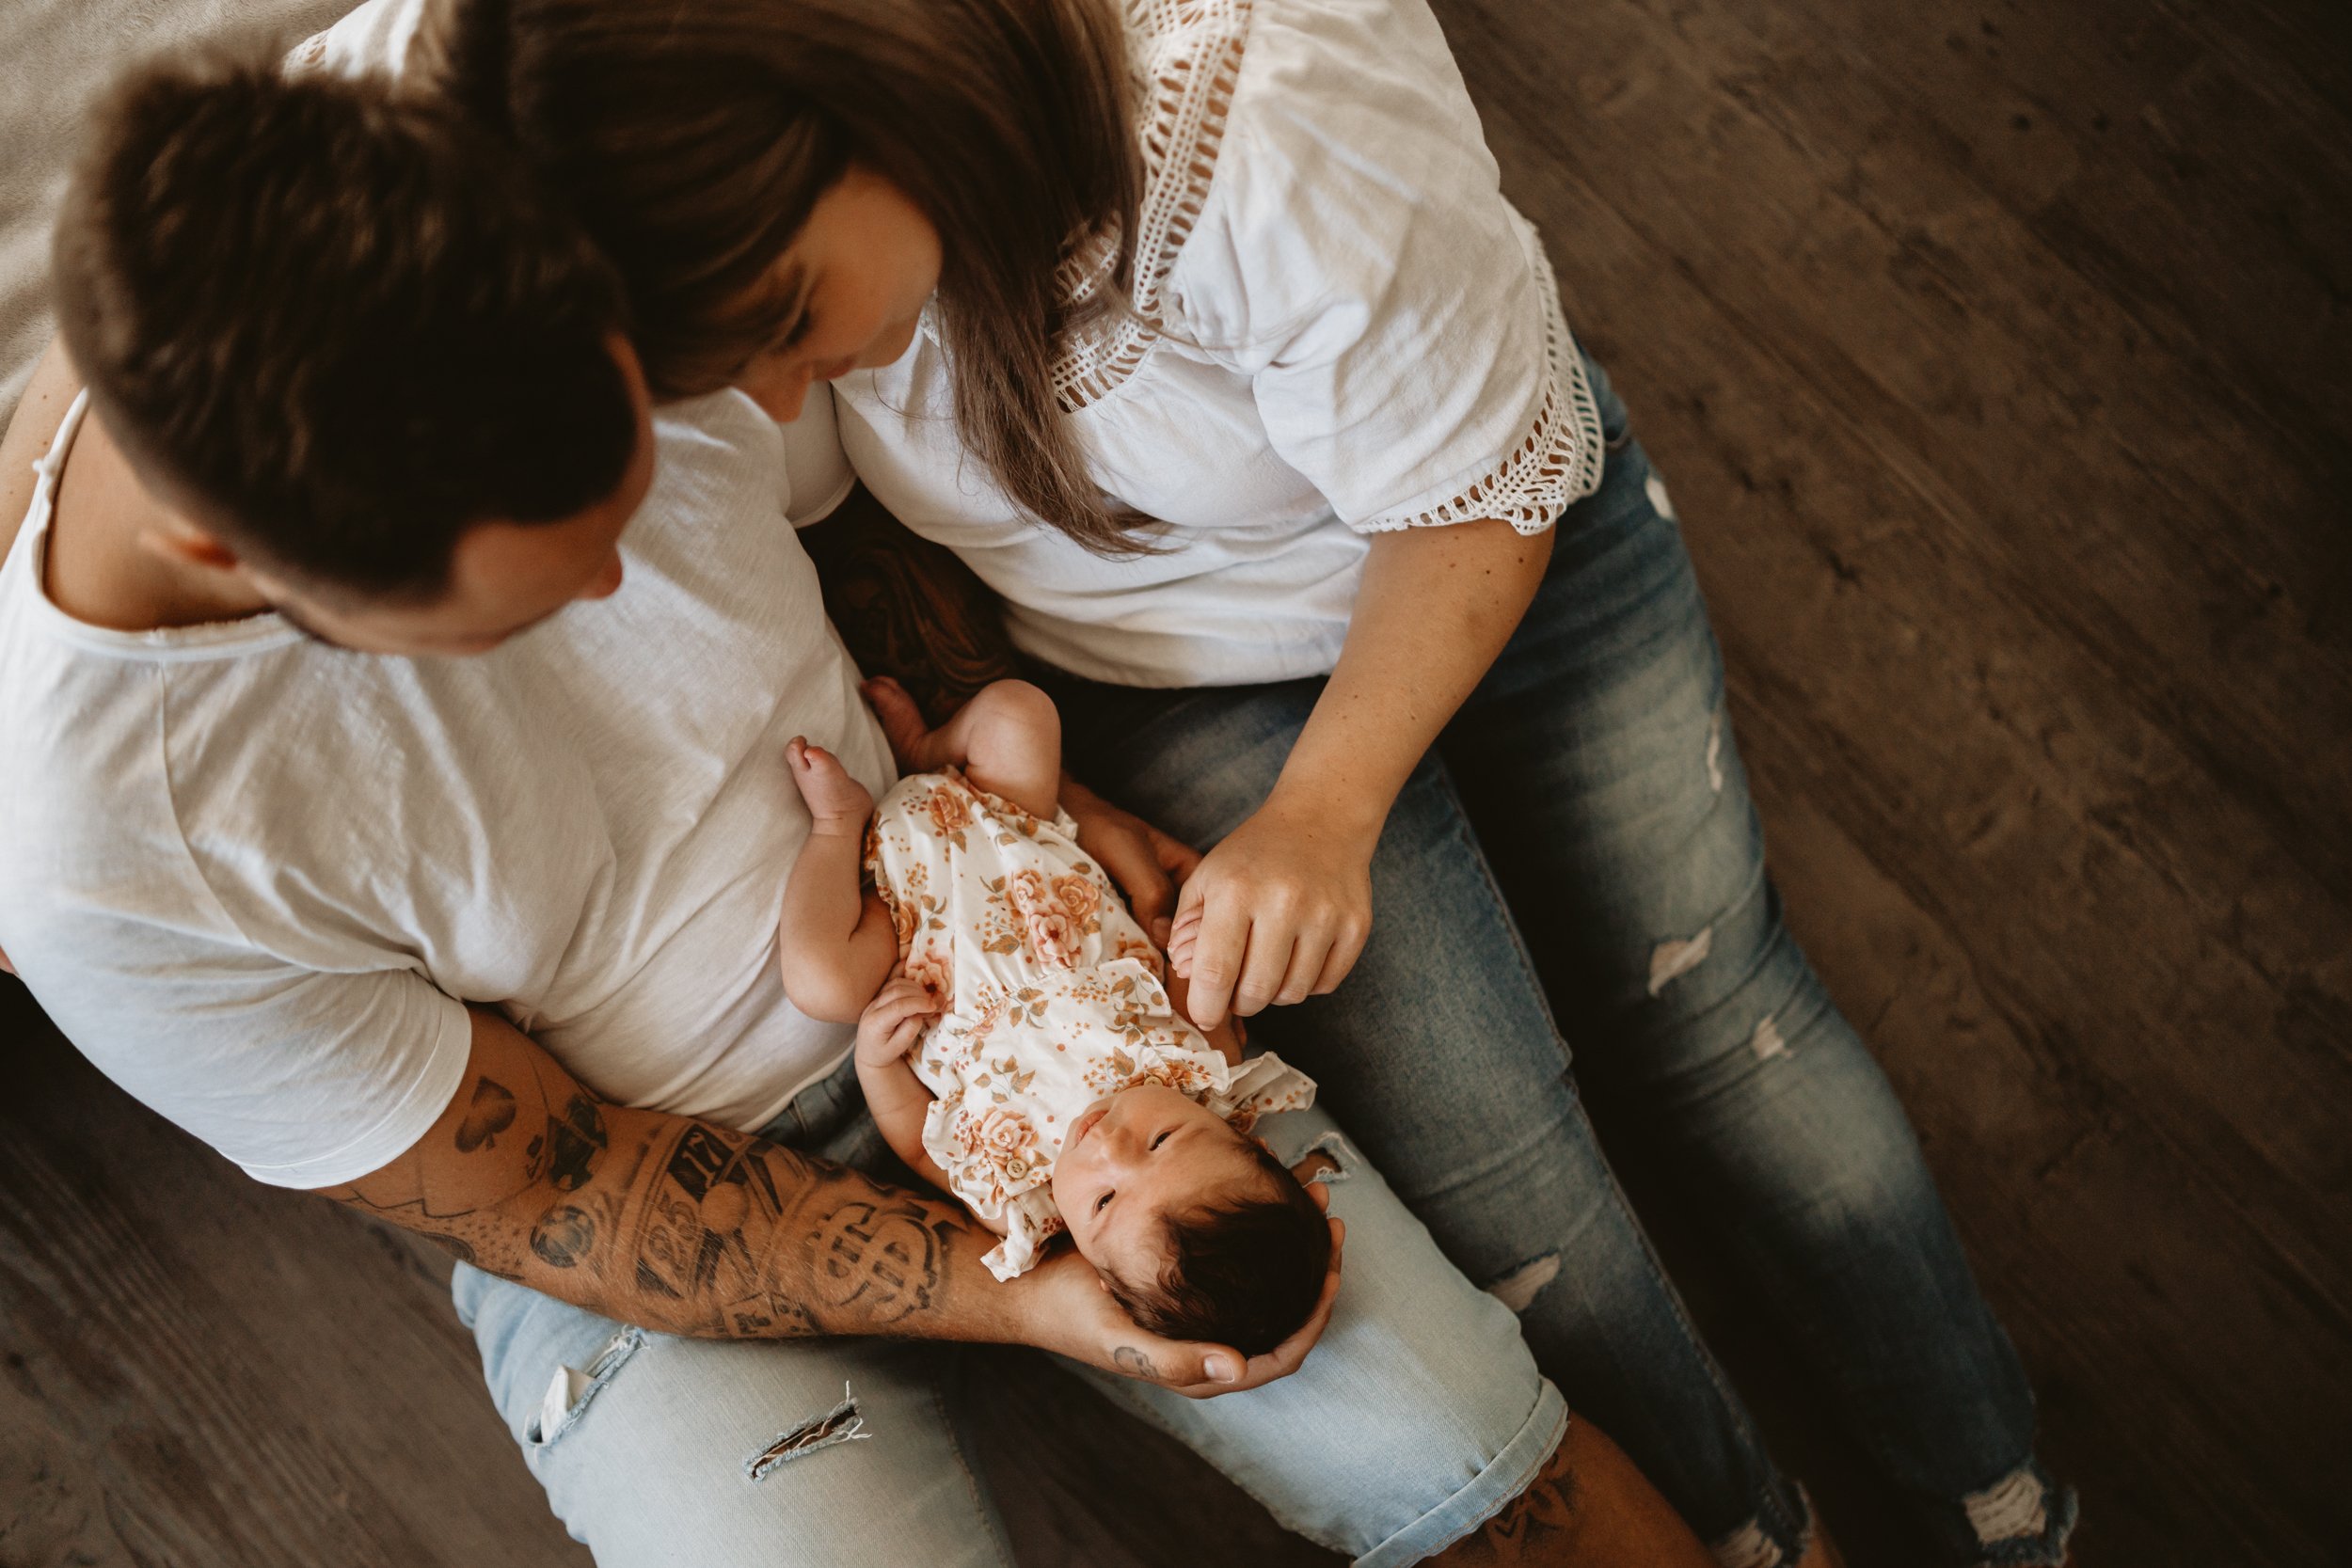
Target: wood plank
x=1995 y=354
x=241 y=1376
x=2015 y=495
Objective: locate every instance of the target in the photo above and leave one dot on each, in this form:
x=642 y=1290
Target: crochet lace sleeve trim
x=1559 y=460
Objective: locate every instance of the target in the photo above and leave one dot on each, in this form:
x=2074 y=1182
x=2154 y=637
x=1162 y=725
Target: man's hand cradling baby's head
x=1197 y=1232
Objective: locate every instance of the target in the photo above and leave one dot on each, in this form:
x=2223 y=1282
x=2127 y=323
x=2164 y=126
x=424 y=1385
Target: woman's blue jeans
x=1579 y=857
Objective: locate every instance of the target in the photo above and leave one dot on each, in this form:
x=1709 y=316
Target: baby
x=1017 y=1041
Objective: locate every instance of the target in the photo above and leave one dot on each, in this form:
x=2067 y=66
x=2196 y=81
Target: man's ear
x=191 y=545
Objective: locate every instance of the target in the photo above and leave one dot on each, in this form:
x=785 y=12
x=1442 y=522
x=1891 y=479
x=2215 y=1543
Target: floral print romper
x=1050 y=999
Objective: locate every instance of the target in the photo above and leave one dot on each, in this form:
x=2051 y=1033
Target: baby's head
x=1197 y=1232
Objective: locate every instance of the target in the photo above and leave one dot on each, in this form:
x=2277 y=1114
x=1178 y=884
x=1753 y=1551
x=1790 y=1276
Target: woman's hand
x=1148 y=865
x=1073 y=1315
x=1279 y=910
x=1278 y=913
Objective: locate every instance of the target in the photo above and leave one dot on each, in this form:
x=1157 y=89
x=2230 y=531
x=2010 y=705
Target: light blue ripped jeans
x=1580 y=846
x=1416 y=1417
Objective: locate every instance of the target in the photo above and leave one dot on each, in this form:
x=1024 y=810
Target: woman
x=1202 y=334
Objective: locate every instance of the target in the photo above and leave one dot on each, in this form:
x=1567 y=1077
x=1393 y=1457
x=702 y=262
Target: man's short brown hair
x=338 y=318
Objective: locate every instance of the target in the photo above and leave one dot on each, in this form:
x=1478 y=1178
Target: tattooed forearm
x=908 y=608
x=671 y=1223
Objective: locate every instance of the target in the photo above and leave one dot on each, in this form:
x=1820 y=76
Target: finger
x=1177 y=858
x=1183 y=1365
x=1218 y=956
x=900 y=715
x=1271 y=944
x=1191 y=908
x=1288 y=1356
x=1342 y=957
x=1308 y=955
x=795 y=751
x=1180 y=948
x=1291 y=1352
x=891 y=1008
x=1150 y=895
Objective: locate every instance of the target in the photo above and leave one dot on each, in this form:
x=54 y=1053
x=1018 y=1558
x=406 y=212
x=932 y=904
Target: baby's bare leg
x=1007 y=739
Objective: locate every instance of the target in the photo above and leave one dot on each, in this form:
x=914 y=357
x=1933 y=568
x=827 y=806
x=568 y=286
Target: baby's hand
x=837 y=801
x=893 y=1022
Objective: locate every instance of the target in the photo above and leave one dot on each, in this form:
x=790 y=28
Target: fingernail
x=1220 y=1370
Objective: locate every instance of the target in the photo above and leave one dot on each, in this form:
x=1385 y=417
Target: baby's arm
x=1007 y=739
x=899 y=1102
x=835 y=945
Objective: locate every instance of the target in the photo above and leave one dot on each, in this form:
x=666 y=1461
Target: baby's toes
x=826 y=785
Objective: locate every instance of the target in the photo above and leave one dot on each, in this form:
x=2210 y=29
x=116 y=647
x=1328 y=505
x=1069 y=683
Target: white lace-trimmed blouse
x=1339 y=327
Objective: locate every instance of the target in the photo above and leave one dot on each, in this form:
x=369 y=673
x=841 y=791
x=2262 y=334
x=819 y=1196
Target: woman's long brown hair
x=693 y=137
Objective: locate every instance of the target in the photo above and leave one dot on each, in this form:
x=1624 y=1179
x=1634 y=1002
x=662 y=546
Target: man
x=338 y=828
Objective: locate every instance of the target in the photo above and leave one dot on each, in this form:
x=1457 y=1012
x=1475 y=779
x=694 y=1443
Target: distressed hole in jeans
x=1669 y=959
x=572 y=1387
x=1523 y=1284
x=1749 y=1546
x=1767 y=1043
x=1715 y=753
x=843 y=1423
x=1660 y=502
x=1321 y=1162
x=2008 y=1510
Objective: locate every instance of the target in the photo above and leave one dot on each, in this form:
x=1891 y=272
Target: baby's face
x=1133 y=1157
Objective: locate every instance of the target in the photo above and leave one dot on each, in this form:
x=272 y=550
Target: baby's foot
x=836 y=801
x=902 y=724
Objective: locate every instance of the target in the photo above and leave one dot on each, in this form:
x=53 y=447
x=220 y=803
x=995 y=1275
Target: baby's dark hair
x=1243 y=1271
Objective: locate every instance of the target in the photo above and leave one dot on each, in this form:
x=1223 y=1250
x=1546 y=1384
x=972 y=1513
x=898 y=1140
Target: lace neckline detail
x=1184 y=60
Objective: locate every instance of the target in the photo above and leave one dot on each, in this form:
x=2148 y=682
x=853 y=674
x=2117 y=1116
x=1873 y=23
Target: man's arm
x=686 y=1228
x=672 y=1222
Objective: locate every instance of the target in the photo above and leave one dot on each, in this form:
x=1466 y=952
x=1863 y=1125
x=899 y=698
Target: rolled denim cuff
x=1504 y=1477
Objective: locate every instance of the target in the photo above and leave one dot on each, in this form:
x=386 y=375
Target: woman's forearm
x=1435 y=607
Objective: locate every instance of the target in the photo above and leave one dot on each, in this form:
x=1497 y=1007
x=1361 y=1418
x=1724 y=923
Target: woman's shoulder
x=1323 y=126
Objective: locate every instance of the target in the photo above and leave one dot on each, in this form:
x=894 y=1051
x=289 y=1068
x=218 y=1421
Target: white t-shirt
x=1339 y=327
x=253 y=876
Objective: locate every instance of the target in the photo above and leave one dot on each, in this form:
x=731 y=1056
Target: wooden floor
x=1996 y=356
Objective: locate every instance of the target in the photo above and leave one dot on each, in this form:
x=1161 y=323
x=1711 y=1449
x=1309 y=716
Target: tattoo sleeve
x=671 y=1223
x=908 y=608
